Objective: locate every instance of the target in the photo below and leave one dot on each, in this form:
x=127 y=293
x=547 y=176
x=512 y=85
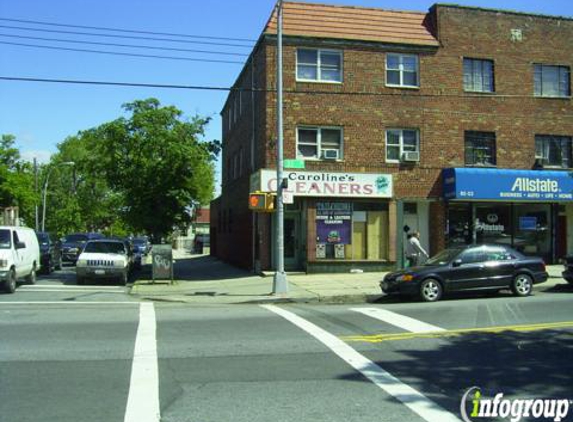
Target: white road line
x=63 y=286
x=400 y=321
x=412 y=398
x=72 y=291
x=143 y=399
x=64 y=302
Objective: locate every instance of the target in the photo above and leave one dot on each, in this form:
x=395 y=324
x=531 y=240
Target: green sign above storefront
x=293 y=164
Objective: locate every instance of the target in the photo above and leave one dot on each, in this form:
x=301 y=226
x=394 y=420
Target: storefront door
x=292 y=242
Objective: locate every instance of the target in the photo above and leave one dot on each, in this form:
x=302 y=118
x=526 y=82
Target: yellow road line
x=378 y=338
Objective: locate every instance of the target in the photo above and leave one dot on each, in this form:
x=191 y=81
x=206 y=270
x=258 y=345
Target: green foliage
x=16 y=181
x=135 y=174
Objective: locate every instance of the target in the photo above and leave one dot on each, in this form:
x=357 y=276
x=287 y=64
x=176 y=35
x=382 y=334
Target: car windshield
x=105 y=247
x=43 y=238
x=76 y=238
x=444 y=257
x=5 y=241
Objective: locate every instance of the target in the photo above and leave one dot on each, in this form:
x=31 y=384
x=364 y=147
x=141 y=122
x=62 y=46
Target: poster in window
x=527 y=223
x=333 y=222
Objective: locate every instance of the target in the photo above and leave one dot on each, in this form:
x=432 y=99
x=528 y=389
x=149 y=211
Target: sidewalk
x=203 y=279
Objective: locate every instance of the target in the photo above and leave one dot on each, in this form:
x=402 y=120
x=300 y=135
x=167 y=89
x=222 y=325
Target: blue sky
x=42 y=115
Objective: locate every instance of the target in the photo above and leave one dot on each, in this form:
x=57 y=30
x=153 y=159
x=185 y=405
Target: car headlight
x=82 y=263
x=3 y=263
x=405 y=277
x=120 y=263
x=73 y=250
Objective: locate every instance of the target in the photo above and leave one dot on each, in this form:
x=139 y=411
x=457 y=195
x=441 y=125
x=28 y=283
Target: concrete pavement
x=206 y=280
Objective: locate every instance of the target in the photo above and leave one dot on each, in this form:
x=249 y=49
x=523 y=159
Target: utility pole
x=36 y=192
x=280 y=283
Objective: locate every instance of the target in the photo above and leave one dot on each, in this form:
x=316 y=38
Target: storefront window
x=352 y=231
x=532 y=224
x=493 y=223
x=459 y=230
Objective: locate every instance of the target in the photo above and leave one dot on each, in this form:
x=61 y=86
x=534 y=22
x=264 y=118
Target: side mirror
x=20 y=245
x=457 y=263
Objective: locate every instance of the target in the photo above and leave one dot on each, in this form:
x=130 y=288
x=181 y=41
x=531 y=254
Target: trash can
x=162 y=262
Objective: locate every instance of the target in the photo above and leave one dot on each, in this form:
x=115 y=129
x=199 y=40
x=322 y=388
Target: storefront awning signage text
x=326 y=184
x=508 y=185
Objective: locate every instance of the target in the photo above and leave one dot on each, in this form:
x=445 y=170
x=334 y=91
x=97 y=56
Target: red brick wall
x=364 y=107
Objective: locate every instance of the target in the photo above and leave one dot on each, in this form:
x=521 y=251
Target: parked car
x=19 y=256
x=141 y=245
x=201 y=242
x=50 y=252
x=482 y=267
x=73 y=244
x=104 y=259
x=568 y=273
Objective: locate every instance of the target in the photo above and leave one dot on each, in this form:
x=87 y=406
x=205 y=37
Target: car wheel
x=10 y=283
x=522 y=285
x=31 y=278
x=431 y=290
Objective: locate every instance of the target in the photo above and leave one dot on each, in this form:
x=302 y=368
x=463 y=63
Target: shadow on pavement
x=532 y=365
x=199 y=268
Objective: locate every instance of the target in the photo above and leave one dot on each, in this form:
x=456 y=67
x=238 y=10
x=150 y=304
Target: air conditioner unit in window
x=330 y=154
x=411 y=156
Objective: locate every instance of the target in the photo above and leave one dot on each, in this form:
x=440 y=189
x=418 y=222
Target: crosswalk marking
x=412 y=398
x=143 y=399
x=67 y=287
x=400 y=321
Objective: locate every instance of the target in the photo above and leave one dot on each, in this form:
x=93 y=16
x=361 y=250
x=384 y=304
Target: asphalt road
x=95 y=354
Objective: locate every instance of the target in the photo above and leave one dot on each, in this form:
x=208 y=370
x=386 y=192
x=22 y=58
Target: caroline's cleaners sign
x=317 y=184
x=505 y=184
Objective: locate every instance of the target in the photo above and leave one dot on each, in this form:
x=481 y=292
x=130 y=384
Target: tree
x=138 y=173
x=16 y=181
x=157 y=161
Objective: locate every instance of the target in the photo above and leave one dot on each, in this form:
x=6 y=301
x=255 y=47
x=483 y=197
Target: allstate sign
x=509 y=185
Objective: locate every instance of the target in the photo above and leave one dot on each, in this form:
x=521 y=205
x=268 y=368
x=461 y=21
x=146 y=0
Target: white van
x=19 y=256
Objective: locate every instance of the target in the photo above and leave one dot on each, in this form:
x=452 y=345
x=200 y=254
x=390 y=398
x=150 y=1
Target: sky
x=41 y=115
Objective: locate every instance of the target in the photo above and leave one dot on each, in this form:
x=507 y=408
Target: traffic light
x=262 y=201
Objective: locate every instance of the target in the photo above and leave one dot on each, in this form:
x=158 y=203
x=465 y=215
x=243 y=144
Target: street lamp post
x=45 y=190
x=280 y=282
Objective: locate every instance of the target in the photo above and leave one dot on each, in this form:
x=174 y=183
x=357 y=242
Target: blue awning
x=507 y=185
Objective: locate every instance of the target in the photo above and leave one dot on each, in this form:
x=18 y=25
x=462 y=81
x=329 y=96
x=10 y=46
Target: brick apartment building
x=457 y=122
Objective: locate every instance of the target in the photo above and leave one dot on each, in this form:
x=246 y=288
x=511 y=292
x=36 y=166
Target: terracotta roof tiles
x=353 y=23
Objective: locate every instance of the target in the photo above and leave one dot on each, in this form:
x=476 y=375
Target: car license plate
x=99 y=272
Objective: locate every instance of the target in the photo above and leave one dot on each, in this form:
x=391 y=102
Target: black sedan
x=481 y=267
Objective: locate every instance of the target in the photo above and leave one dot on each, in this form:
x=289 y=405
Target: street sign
x=288 y=197
x=293 y=164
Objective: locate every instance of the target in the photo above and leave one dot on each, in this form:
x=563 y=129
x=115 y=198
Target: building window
x=318 y=65
x=553 y=151
x=319 y=143
x=400 y=141
x=552 y=81
x=478 y=75
x=480 y=148
x=402 y=70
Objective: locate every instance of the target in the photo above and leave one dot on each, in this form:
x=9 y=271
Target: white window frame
x=482 y=72
x=319 y=52
x=401 y=70
x=401 y=144
x=558 y=67
x=319 y=148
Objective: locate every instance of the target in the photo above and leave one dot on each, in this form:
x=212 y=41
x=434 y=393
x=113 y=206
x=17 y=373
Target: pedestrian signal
x=262 y=202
